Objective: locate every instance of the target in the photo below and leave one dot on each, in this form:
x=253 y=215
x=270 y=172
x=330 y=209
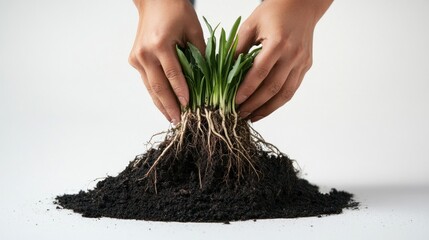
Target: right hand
x=162 y=25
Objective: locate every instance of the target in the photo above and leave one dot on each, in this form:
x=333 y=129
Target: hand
x=285 y=30
x=162 y=25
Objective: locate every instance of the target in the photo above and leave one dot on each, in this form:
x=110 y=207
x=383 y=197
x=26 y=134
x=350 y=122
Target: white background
x=73 y=110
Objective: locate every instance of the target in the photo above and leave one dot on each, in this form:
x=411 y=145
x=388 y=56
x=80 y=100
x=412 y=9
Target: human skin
x=284 y=28
x=162 y=25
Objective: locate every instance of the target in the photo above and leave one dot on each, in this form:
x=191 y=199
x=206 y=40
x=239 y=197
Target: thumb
x=246 y=39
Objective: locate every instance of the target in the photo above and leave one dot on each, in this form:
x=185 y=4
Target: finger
x=268 y=89
x=196 y=37
x=173 y=71
x=161 y=88
x=246 y=39
x=285 y=94
x=155 y=99
x=138 y=66
x=262 y=65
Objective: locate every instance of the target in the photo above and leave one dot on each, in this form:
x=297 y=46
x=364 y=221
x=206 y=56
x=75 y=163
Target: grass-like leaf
x=213 y=79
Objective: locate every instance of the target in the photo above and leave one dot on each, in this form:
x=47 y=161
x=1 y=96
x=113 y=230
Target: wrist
x=142 y=4
x=312 y=8
x=320 y=7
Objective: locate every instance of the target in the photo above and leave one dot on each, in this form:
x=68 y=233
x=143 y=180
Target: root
x=199 y=121
x=260 y=140
x=182 y=128
x=241 y=149
x=199 y=178
x=208 y=137
x=213 y=130
x=225 y=130
x=209 y=133
x=154 y=182
x=150 y=143
x=161 y=155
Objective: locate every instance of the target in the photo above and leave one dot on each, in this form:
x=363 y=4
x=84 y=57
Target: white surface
x=387 y=213
x=72 y=110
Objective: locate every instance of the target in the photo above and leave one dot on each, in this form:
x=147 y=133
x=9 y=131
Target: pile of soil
x=177 y=194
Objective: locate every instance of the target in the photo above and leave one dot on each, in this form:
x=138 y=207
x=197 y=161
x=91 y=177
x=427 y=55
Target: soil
x=176 y=194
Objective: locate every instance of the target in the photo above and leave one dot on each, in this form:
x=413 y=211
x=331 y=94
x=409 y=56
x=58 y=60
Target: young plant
x=213 y=79
x=210 y=131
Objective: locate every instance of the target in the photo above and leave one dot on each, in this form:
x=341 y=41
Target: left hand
x=285 y=30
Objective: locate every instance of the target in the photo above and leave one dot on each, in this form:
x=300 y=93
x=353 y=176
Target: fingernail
x=183 y=101
x=256 y=118
x=244 y=114
x=240 y=99
x=174 y=121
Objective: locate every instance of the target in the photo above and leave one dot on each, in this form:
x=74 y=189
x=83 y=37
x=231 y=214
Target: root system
x=209 y=168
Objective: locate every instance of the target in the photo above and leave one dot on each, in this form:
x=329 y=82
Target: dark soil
x=277 y=192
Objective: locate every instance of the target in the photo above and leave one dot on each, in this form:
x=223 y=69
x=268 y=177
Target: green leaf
x=186 y=66
x=208 y=25
x=210 y=52
x=199 y=59
x=213 y=77
x=232 y=34
x=235 y=69
x=211 y=30
x=222 y=52
x=230 y=55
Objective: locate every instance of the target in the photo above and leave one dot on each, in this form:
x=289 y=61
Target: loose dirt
x=277 y=192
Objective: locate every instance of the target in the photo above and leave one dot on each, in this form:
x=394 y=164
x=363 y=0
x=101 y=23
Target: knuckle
x=274 y=88
x=296 y=52
x=157 y=42
x=261 y=72
x=287 y=94
x=141 y=53
x=308 y=63
x=157 y=45
x=157 y=88
x=150 y=91
x=133 y=61
x=172 y=73
x=301 y=49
